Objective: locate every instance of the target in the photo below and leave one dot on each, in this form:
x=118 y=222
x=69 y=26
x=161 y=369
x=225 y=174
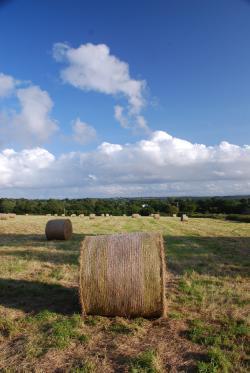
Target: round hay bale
x=4 y=217
x=135 y=216
x=123 y=275
x=157 y=216
x=58 y=229
x=102 y=215
x=73 y=215
x=107 y=215
x=184 y=217
x=174 y=215
x=81 y=215
x=12 y=216
x=55 y=214
x=63 y=215
x=48 y=214
x=92 y=216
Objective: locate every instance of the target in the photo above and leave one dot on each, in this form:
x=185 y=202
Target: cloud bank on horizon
x=158 y=165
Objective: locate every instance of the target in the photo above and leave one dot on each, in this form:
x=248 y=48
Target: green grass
x=145 y=362
x=207 y=328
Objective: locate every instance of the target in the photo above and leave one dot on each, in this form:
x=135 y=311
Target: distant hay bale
x=48 y=214
x=107 y=215
x=58 y=229
x=55 y=214
x=12 y=216
x=81 y=215
x=184 y=217
x=4 y=217
x=124 y=215
x=102 y=215
x=26 y=214
x=73 y=215
x=123 y=275
x=63 y=215
x=174 y=215
x=135 y=216
x=92 y=216
x=157 y=216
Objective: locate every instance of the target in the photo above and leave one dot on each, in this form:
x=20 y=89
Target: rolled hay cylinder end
x=4 y=216
x=135 y=216
x=92 y=216
x=157 y=216
x=58 y=229
x=12 y=216
x=184 y=217
x=123 y=275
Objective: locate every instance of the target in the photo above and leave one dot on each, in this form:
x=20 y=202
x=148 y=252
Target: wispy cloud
x=83 y=133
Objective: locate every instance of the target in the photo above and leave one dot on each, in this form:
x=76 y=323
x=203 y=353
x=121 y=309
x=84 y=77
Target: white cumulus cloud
x=93 y=67
x=161 y=165
x=29 y=121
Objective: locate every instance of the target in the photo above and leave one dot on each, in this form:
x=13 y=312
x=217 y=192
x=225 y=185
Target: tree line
x=128 y=206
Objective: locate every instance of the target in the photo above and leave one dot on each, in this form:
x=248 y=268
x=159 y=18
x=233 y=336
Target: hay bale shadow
x=34 y=297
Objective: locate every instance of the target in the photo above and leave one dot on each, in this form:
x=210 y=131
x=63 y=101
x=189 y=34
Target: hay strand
x=123 y=275
x=58 y=229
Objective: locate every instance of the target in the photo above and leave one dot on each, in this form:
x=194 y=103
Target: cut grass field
x=207 y=290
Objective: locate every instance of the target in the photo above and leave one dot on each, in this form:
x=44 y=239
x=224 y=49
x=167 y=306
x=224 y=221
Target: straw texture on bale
x=4 y=217
x=135 y=216
x=59 y=229
x=123 y=275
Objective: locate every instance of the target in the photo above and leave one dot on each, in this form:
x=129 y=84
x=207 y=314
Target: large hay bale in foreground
x=123 y=275
x=59 y=229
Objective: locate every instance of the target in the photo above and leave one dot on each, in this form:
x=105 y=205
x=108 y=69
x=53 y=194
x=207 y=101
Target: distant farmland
x=207 y=291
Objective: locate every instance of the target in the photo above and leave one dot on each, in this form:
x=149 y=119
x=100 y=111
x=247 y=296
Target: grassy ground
x=207 y=288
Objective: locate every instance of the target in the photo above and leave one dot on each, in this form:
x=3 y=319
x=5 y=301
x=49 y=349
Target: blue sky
x=188 y=65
